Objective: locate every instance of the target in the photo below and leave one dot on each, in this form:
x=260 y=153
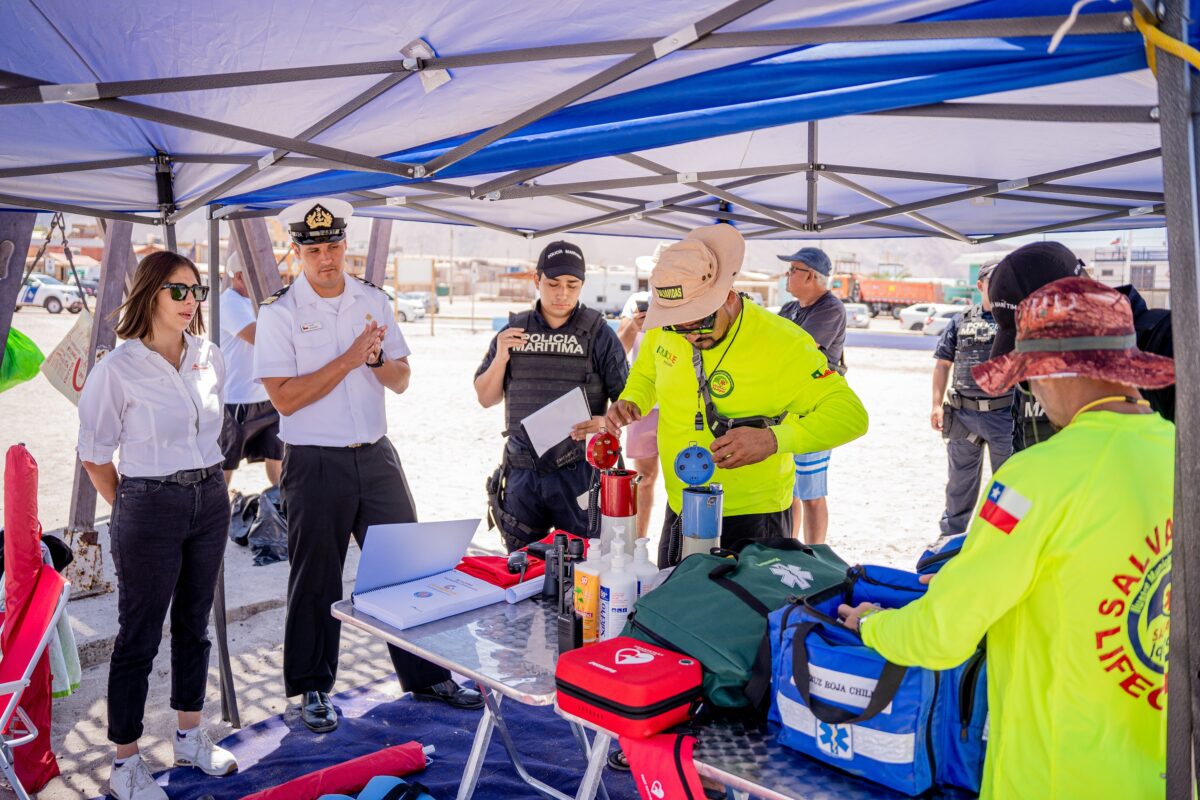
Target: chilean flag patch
x=1004 y=507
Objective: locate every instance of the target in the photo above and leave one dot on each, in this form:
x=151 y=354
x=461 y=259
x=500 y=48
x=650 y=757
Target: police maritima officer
x=542 y=354
x=968 y=417
x=327 y=347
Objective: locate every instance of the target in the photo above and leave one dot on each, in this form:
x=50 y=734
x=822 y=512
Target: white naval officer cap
x=317 y=220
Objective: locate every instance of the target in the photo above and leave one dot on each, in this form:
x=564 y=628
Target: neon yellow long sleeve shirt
x=768 y=366
x=1067 y=570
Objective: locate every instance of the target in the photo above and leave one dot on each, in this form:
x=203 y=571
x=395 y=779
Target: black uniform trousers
x=330 y=493
x=767 y=525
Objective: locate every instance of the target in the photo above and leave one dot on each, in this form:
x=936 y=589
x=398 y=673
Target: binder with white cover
x=406 y=574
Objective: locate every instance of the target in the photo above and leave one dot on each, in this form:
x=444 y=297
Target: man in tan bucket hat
x=731 y=376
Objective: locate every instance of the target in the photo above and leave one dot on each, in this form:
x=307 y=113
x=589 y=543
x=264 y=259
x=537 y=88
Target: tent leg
x=229 y=704
x=1179 y=124
x=16 y=231
x=811 y=176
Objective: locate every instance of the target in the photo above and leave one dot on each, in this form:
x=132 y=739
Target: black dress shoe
x=452 y=695
x=317 y=712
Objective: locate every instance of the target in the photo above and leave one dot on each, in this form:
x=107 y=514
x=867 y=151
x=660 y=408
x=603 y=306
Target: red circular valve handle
x=603 y=450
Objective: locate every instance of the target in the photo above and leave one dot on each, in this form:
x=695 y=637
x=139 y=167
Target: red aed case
x=628 y=687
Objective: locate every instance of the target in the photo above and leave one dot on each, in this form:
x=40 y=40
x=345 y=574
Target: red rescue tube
x=35 y=763
x=350 y=776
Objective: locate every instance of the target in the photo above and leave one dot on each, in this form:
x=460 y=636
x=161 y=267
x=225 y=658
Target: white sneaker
x=132 y=781
x=197 y=750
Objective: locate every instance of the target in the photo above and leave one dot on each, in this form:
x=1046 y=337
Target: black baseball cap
x=1018 y=275
x=561 y=258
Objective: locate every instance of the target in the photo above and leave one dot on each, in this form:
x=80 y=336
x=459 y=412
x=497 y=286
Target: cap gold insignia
x=319 y=218
x=369 y=318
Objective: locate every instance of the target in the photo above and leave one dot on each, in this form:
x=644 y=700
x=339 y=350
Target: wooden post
x=86 y=572
x=16 y=231
x=377 y=251
x=253 y=242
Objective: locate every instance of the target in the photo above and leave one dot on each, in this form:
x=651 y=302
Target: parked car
x=426 y=299
x=408 y=310
x=857 y=316
x=937 y=321
x=913 y=317
x=39 y=289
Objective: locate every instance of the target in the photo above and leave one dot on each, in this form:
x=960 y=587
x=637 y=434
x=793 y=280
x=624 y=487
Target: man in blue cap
x=823 y=317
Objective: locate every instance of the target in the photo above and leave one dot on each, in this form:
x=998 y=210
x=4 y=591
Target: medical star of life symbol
x=834 y=740
x=793 y=576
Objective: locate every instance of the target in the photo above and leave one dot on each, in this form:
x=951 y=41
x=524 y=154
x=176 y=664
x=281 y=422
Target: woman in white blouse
x=157 y=402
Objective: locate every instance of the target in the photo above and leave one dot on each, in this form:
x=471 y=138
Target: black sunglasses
x=179 y=291
x=703 y=326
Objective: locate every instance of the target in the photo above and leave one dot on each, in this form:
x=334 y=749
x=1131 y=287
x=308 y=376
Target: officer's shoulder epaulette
x=275 y=296
x=367 y=282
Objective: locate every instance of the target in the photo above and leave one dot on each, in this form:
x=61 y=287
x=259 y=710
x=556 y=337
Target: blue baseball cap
x=812 y=257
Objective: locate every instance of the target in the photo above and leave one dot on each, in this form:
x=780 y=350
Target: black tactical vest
x=1032 y=426
x=973 y=346
x=551 y=363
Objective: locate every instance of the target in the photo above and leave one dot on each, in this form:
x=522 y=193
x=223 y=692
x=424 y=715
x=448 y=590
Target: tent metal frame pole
x=326 y=122
x=716 y=191
x=887 y=201
x=998 y=187
x=650 y=218
x=1155 y=210
x=424 y=208
x=165 y=182
x=491 y=189
x=661 y=179
x=35 y=92
x=648 y=55
x=1179 y=98
x=811 y=176
x=887 y=226
x=1045 y=187
x=1028 y=112
x=24 y=203
x=77 y=166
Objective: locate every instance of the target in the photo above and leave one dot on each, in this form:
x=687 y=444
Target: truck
x=884 y=295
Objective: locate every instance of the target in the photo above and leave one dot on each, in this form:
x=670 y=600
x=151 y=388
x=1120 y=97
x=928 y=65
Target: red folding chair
x=34 y=626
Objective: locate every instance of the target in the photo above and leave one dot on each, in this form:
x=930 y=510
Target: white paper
x=524 y=591
x=552 y=423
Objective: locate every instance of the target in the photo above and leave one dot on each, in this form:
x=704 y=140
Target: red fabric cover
x=350 y=776
x=627 y=686
x=662 y=767
x=35 y=762
x=494 y=569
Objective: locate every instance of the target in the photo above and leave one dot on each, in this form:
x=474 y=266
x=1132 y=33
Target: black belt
x=957 y=400
x=337 y=448
x=184 y=477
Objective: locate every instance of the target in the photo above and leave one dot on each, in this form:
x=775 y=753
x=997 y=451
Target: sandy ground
x=885 y=498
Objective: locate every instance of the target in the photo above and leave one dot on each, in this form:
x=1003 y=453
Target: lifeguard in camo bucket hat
x=1066 y=568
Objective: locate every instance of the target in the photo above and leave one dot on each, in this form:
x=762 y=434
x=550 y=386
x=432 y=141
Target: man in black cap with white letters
x=326 y=349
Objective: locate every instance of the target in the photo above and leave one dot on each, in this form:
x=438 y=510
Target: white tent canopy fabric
x=706 y=115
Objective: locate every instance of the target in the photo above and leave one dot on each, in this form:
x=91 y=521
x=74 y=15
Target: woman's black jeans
x=167 y=544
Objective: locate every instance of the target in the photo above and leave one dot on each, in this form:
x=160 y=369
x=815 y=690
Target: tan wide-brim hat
x=693 y=277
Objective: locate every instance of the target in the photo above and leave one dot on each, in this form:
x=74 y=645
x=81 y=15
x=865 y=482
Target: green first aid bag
x=22 y=358
x=714 y=608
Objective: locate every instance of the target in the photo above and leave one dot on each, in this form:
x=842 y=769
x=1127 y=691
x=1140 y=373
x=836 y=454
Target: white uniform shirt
x=162 y=420
x=300 y=332
x=627 y=313
x=237 y=313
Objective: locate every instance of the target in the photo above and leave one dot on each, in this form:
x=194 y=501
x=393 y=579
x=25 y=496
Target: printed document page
x=407 y=605
x=552 y=423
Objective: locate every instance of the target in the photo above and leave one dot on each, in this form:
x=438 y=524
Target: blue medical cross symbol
x=836 y=741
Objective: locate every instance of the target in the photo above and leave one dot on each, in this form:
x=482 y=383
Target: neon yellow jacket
x=1076 y=605
x=768 y=366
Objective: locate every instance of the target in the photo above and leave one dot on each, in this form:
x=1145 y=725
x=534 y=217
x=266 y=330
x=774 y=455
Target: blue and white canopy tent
x=787 y=118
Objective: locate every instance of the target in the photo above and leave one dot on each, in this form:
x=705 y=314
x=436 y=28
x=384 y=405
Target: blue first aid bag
x=942 y=551
x=839 y=701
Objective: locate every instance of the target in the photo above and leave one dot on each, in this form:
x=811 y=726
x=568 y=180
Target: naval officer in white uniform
x=326 y=349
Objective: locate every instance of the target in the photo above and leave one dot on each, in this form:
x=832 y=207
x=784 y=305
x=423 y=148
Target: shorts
x=641 y=437
x=250 y=431
x=812 y=470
